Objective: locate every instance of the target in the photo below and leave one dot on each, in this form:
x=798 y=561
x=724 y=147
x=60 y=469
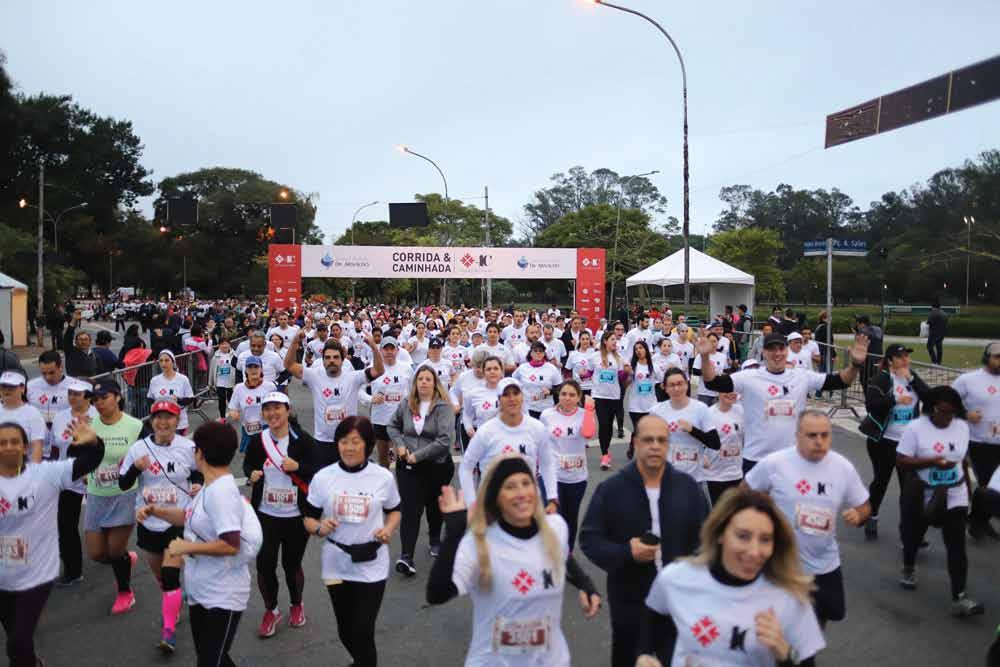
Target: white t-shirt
x=479 y=404
x=358 y=500
x=419 y=353
x=811 y=495
x=900 y=415
x=641 y=393
x=812 y=347
x=685 y=450
x=555 y=349
x=534 y=381
x=221 y=582
x=684 y=352
x=801 y=359
x=517 y=622
x=653 y=499
x=174 y=389
x=225 y=374
x=772 y=403
x=271 y=363
x=458 y=357
x=465 y=383
x=720 y=361
x=47 y=398
x=568 y=444
x=247 y=401
x=582 y=364
x=510 y=334
x=531 y=439
x=637 y=334
x=61 y=437
x=279 y=497
x=287 y=334
x=980 y=390
x=715 y=622
x=661 y=364
x=922 y=439
x=726 y=464
x=605 y=378
x=334 y=398
x=394 y=385
x=442 y=369
x=29 y=418
x=165 y=481
x=498 y=351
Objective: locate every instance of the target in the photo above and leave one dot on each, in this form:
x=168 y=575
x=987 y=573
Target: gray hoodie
x=435 y=440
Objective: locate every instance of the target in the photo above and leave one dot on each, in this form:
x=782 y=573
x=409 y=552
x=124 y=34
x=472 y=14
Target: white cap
x=276 y=397
x=750 y=363
x=795 y=335
x=507 y=382
x=12 y=378
x=76 y=384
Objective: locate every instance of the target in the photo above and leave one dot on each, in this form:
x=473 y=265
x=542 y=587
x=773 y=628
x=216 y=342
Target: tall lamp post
x=969 y=221
x=618 y=223
x=55 y=221
x=687 y=203
x=406 y=149
x=353 y=220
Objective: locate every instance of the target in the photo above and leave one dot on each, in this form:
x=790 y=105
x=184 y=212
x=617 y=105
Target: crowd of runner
x=716 y=522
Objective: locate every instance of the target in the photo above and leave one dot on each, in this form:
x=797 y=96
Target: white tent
x=728 y=286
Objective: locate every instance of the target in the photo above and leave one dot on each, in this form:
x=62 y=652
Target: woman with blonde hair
x=422 y=430
x=513 y=563
x=607 y=391
x=743 y=599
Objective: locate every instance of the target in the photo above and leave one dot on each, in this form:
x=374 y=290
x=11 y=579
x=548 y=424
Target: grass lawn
x=955 y=356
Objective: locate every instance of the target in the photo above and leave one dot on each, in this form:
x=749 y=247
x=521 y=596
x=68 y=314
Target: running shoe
x=621 y=434
x=964 y=607
x=977 y=530
x=908 y=580
x=123 y=603
x=296 y=615
x=871 y=529
x=991 y=531
x=66 y=582
x=405 y=566
x=168 y=642
x=606 y=462
x=435 y=550
x=269 y=624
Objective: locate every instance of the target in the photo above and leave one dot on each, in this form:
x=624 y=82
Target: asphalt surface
x=885 y=625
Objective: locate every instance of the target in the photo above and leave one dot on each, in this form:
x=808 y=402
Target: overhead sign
x=954 y=91
x=841 y=248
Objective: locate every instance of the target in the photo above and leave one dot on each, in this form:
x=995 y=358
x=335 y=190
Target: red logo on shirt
x=673 y=426
x=154 y=469
x=532 y=377
x=507 y=449
x=523 y=582
x=386 y=380
x=992 y=389
x=327 y=393
x=43 y=399
x=249 y=400
x=416 y=418
x=773 y=390
x=900 y=390
x=726 y=428
x=705 y=631
x=163 y=392
x=4 y=506
x=938 y=447
x=487 y=405
x=803 y=486
x=557 y=431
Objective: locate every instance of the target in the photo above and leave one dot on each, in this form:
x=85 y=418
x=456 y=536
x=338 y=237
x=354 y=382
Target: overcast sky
x=506 y=93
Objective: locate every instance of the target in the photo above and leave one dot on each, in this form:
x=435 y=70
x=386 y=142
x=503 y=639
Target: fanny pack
x=360 y=553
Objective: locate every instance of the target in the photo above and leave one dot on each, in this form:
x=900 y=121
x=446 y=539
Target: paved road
x=886 y=626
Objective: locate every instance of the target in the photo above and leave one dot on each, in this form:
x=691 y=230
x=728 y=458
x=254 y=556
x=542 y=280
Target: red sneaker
x=123 y=603
x=269 y=624
x=606 y=462
x=296 y=616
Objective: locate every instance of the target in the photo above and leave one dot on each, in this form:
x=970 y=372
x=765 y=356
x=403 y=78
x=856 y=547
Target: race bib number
x=13 y=551
x=537 y=396
x=780 y=408
x=607 y=375
x=685 y=454
x=160 y=495
x=994 y=429
x=281 y=496
x=937 y=477
x=644 y=388
x=224 y=371
x=353 y=509
x=106 y=476
x=814 y=520
x=730 y=450
x=519 y=637
x=902 y=414
x=252 y=428
x=572 y=463
x=393 y=397
x=334 y=415
x=689 y=660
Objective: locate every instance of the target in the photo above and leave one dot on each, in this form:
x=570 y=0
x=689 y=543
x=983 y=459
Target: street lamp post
x=406 y=149
x=353 y=220
x=618 y=222
x=55 y=221
x=40 y=311
x=687 y=203
x=969 y=221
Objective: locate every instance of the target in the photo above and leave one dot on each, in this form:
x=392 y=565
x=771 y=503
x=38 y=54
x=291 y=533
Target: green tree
x=756 y=252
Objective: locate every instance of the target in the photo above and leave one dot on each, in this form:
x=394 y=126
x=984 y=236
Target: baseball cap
x=75 y=384
x=165 y=406
x=12 y=379
x=992 y=349
x=107 y=387
x=276 y=397
x=749 y=363
x=774 y=339
x=435 y=343
x=507 y=383
x=795 y=335
x=897 y=350
x=253 y=361
x=387 y=341
x=715 y=323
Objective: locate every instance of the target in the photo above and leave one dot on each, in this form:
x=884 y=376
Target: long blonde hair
x=481 y=519
x=783 y=568
x=439 y=394
x=604 y=349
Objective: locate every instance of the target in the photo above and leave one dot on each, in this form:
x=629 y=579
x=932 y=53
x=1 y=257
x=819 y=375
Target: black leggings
x=985 y=504
x=223 y=394
x=984 y=458
x=291 y=537
x=213 y=631
x=19 y=614
x=419 y=488
x=356 y=605
x=635 y=417
x=605 y=408
x=952 y=531
x=716 y=489
x=828 y=598
x=570 y=499
x=620 y=412
x=883 y=457
x=69 y=534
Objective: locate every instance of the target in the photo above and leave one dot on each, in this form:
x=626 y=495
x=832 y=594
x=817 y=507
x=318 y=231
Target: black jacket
x=880 y=399
x=301 y=448
x=78 y=364
x=619 y=511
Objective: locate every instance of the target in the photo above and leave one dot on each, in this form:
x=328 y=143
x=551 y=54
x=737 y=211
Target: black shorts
x=380 y=432
x=154 y=542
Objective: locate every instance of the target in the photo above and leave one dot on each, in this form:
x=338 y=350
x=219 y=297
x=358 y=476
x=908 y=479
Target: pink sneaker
x=606 y=462
x=269 y=624
x=296 y=616
x=123 y=603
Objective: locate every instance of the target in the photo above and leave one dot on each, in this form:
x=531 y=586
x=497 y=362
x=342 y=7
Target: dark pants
x=828 y=598
x=327 y=453
x=883 y=458
x=290 y=536
x=935 y=348
x=605 y=408
x=984 y=458
x=625 y=632
x=716 y=489
x=570 y=499
x=419 y=488
x=213 y=631
x=356 y=605
x=985 y=504
x=748 y=466
x=119 y=324
x=69 y=534
x=223 y=394
x=952 y=531
x=19 y=614
x=635 y=417
x=620 y=412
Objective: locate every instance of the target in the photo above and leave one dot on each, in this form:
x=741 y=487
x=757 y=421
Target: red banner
x=590 y=299
x=284 y=277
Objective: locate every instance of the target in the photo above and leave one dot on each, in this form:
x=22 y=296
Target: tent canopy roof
x=703 y=269
x=6 y=282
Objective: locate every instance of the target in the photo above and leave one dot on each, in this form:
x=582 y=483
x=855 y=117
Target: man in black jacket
x=639 y=520
x=80 y=359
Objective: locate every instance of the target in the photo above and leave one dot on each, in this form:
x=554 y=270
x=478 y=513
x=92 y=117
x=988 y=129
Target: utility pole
x=489 y=281
x=41 y=238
